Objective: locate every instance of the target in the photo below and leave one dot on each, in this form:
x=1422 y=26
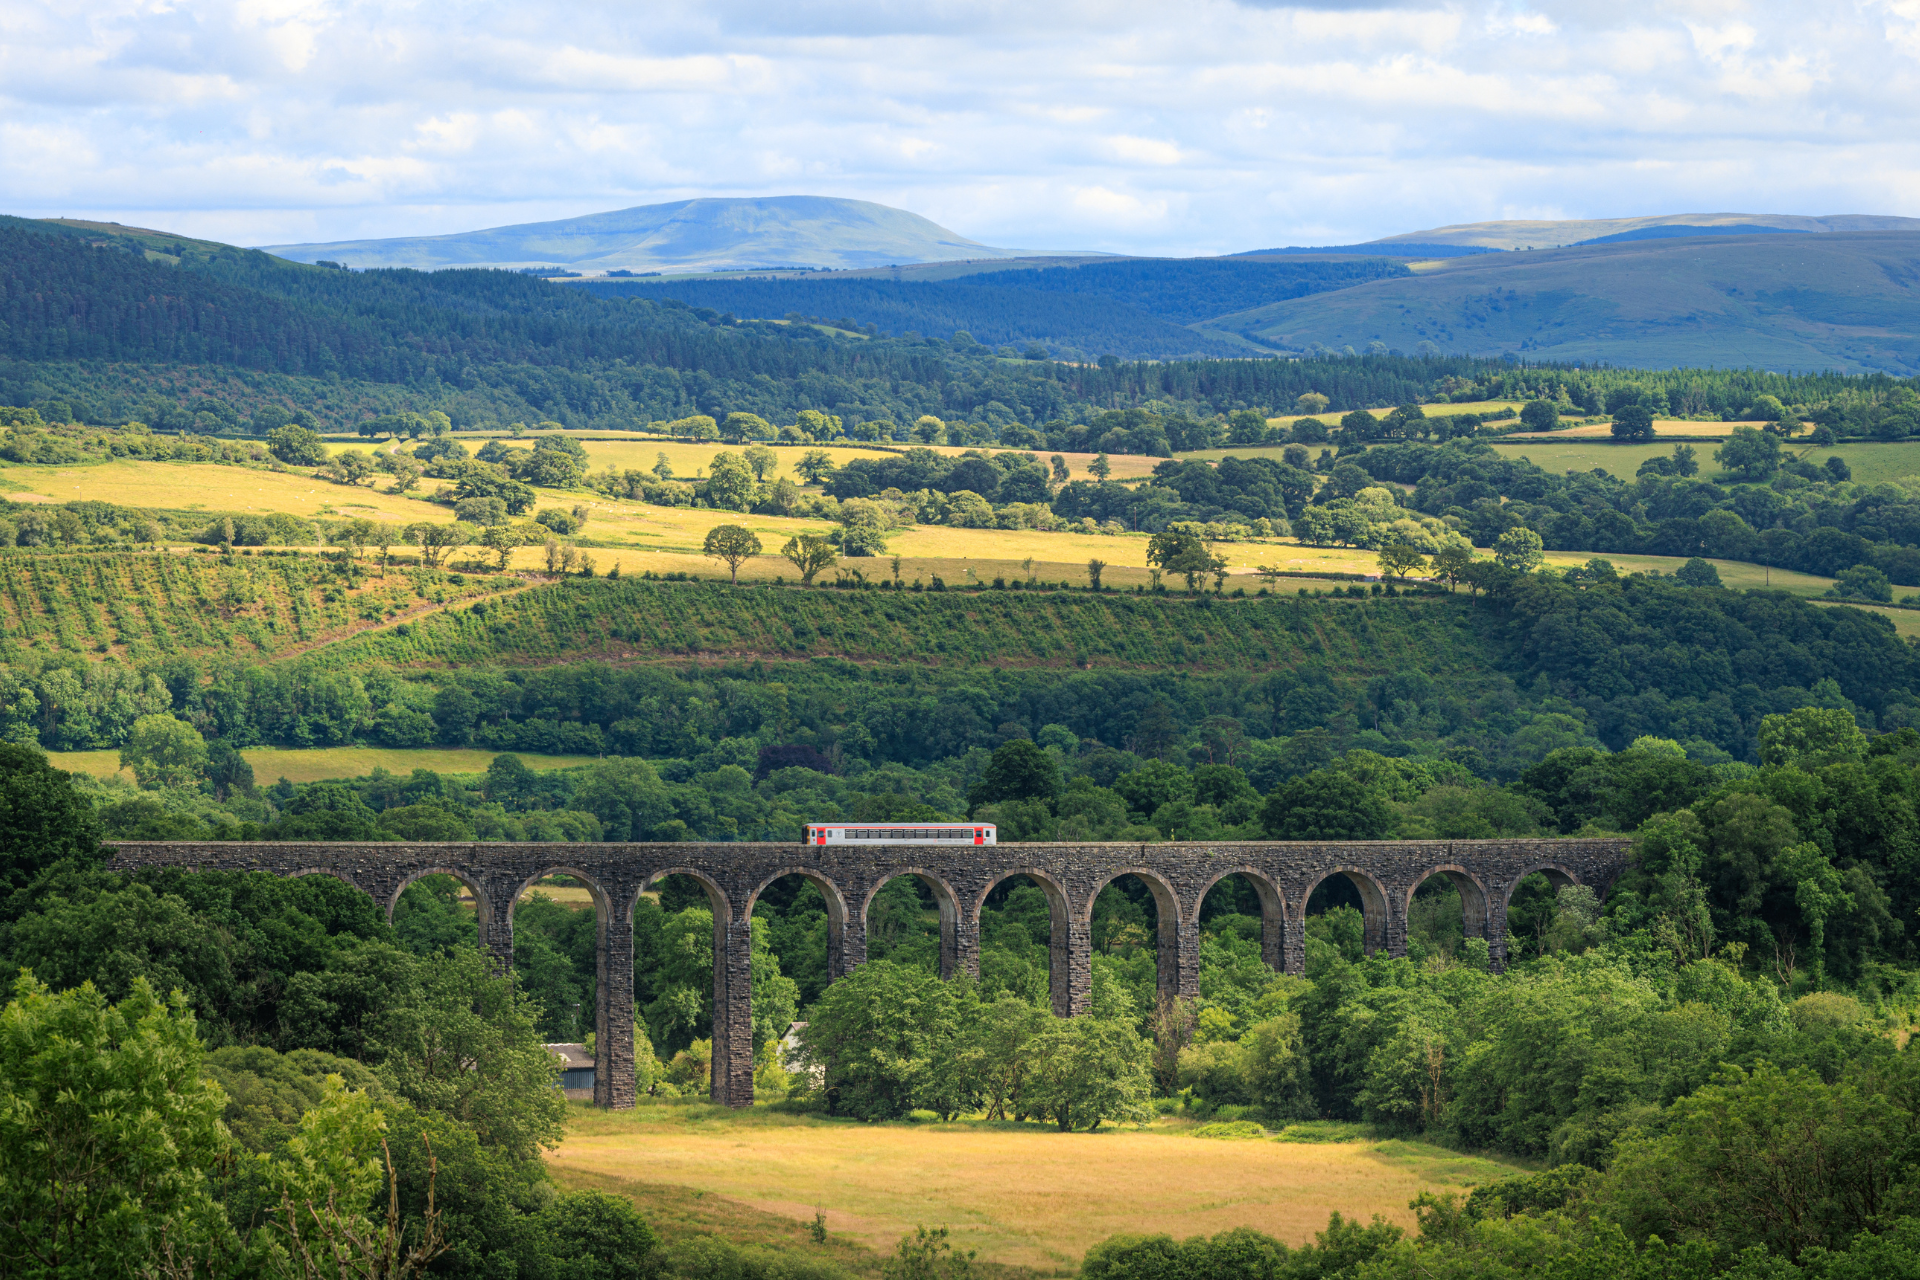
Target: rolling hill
x=686 y=235
x=1546 y=235
x=1846 y=300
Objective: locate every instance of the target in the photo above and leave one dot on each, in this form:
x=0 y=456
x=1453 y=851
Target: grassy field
x=1661 y=427
x=1025 y=1195
x=1432 y=411
x=1870 y=463
x=313 y=764
x=1906 y=622
x=687 y=458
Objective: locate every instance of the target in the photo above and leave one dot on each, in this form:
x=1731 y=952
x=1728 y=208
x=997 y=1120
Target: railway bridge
x=1284 y=875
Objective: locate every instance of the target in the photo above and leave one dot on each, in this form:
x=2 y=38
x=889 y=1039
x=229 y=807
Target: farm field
x=315 y=763
x=686 y=457
x=1906 y=622
x=1662 y=427
x=1432 y=411
x=1871 y=463
x=1023 y=1195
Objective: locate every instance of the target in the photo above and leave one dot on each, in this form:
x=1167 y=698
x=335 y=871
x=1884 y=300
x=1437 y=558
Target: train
x=900 y=833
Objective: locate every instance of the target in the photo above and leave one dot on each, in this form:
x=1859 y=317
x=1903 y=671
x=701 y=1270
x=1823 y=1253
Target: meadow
x=1871 y=462
x=314 y=764
x=1020 y=1194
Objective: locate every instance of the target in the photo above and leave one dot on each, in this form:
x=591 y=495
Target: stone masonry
x=960 y=877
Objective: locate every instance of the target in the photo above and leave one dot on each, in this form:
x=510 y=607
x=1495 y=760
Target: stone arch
x=1167 y=960
x=342 y=876
x=1066 y=934
x=1273 y=911
x=732 y=983
x=483 y=903
x=496 y=935
x=1474 y=897
x=945 y=899
x=604 y=925
x=1373 y=902
x=1559 y=875
x=839 y=964
x=716 y=896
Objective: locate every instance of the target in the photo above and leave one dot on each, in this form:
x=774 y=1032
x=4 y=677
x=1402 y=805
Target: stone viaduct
x=1284 y=876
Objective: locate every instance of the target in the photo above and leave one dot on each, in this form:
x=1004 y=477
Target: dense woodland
x=212 y=341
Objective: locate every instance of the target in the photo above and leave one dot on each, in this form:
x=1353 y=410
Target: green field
x=1871 y=463
x=312 y=764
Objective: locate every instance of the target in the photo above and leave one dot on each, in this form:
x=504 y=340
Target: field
x=1662 y=428
x=1432 y=411
x=686 y=457
x=1024 y=1195
x=1872 y=463
x=315 y=763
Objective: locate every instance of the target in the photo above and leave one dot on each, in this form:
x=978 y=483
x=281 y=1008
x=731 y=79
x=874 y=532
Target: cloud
x=1213 y=126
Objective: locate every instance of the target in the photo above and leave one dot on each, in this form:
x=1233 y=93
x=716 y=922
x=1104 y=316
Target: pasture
x=1025 y=1195
x=312 y=764
x=1871 y=462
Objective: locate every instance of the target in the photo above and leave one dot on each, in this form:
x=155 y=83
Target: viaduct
x=1284 y=875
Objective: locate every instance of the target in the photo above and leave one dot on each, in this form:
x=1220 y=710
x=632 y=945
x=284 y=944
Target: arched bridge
x=1071 y=875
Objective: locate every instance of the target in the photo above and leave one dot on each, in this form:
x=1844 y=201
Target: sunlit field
x=315 y=763
x=1025 y=1194
x=1662 y=427
x=1871 y=463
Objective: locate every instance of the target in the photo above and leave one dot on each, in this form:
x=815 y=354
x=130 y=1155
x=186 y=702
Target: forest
x=230 y=339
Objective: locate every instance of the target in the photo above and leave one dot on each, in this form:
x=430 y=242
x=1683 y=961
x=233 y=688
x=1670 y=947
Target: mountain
x=1547 y=235
x=1846 y=300
x=685 y=236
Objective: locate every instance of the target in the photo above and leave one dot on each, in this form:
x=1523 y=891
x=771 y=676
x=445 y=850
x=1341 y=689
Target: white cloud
x=1207 y=127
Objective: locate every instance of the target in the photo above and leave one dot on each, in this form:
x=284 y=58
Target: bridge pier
x=1385 y=873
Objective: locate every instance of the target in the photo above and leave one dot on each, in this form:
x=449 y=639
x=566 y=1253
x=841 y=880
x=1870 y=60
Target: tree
x=107 y=1130
x=297 y=446
x=43 y=819
x=746 y=426
x=1019 y=770
x=1181 y=551
x=1399 y=560
x=1089 y=1070
x=1095 y=568
x=465 y=1043
x=1862 y=582
x=928 y=429
x=1633 y=422
x=164 y=752
x=730 y=483
x=1520 y=550
x=1309 y=403
x=763 y=460
x=815 y=466
x=732 y=543
x=1697 y=573
x=504 y=539
x=1750 y=454
x=1450 y=561
x=1100 y=468
x=1540 y=415
x=874 y=1038
x=1327 y=804
x=810 y=553
x=1811 y=736
x=406 y=473
x=438 y=541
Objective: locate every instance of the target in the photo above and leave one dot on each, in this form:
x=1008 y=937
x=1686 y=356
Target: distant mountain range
x=685 y=236
x=1550 y=235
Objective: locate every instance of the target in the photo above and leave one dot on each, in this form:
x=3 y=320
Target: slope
x=687 y=235
x=1520 y=234
x=1840 y=300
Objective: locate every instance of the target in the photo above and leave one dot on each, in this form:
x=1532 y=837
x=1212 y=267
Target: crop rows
x=145 y=606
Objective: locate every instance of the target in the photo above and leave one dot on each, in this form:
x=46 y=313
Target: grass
x=1662 y=427
x=686 y=458
x=1871 y=463
x=315 y=763
x=1025 y=1195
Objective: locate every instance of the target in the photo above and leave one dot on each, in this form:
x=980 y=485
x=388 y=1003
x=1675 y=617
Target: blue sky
x=1197 y=127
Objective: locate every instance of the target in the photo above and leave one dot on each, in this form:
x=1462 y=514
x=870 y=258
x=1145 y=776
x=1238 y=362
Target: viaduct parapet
x=1071 y=875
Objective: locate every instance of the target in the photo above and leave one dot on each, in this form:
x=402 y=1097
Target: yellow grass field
x=1330 y=417
x=1025 y=1195
x=313 y=764
x=686 y=458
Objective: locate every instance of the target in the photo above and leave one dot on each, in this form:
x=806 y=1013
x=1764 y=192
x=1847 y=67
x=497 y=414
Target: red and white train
x=901 y=833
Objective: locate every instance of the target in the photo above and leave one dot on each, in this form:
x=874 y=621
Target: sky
x=1195 y=127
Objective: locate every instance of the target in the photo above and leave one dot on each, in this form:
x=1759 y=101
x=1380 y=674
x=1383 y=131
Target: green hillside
x=1846 y=301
